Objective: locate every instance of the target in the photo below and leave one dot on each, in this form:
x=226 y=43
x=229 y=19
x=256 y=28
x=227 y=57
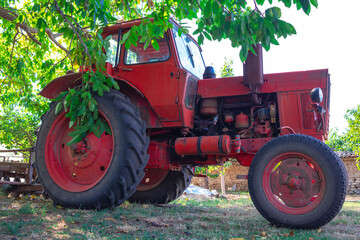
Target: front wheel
x=297 y=181
x=95 y=173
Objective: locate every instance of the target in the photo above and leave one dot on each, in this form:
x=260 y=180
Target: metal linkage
x=18 y=176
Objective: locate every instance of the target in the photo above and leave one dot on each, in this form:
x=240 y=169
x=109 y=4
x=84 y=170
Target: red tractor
x=172 y=114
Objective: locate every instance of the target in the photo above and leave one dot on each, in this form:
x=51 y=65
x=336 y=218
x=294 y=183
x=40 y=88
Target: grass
x=186 y=218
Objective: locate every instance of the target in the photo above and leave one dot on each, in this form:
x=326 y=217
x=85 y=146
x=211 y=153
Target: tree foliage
x=353 y=131
x=41 y=40
x=227 y=69
x=350 y=139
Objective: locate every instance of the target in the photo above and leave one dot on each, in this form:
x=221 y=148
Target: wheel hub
x=293 y=184
x=79 y=147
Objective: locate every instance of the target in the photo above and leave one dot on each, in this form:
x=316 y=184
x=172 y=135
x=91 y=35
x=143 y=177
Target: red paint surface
x=203 y=145
x=294 y=183
x=70 y=168
x=159 y=155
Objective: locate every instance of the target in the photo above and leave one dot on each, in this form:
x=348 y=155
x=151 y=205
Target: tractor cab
x=167 y=77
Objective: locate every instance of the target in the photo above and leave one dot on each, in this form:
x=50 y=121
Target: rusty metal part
x=242 y=121
x=241 y=177
x=236 y=144
x=253 y=70
x=209 y=106
x=229 y=117
x=273 y=113
x=18 y=176
x=263 y=129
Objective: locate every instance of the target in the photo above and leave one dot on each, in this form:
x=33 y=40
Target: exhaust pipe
x=253 y=73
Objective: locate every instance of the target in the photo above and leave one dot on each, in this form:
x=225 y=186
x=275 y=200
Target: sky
x=327 y=38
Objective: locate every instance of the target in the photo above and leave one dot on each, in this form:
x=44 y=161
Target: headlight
x=316 y=95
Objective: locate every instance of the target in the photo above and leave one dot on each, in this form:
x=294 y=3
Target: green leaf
x=108 y=129
x=147 y=42
x=76 y=133
x=126 y=35
x=243 y=54
x=58 y=107
x=71 y=123
x=92 y=105
x=102 y=127
x=273 y=12
x=260 y=2
x=197 y=31
x=314 y=3
x=216 y=7
x=96 y=131
x=287 y=3
x=305 y=4
x=269 y=26
x=207 y=9
x=207 y=35
x=155 y=44
x=274 y=41
x=74 y=140
x=201 y=39
x=127 y=44
x=243 y=26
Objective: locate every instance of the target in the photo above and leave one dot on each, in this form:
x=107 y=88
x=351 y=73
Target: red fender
x=71 y=80
x=61 y=84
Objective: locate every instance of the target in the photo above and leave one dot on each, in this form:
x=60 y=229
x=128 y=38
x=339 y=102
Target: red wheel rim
x=294 y=183
x=152 y=179
x=81 y=166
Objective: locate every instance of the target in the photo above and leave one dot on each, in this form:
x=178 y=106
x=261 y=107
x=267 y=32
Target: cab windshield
x=189 y=54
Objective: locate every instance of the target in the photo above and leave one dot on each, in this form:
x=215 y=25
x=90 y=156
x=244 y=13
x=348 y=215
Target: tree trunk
x=222 y=175
x=205 y=181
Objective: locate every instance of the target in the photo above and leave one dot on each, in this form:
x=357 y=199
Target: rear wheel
x=95 y=173
x=297 y=181
x=162 y=186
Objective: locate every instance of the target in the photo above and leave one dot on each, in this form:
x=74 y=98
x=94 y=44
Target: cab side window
x=139 y=55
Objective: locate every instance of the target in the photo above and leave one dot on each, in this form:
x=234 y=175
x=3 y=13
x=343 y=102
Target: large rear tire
x=97 y=172
x=297 y=181
x=168 y=186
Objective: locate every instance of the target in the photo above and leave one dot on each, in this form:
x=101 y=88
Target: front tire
x=168 y=186
x=95 y=173
x=297 y=181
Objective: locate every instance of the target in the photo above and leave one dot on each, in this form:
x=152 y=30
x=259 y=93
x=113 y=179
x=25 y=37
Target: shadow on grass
x=185 y=218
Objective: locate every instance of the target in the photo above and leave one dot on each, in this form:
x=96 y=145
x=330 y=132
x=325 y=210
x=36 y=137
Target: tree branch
x=11 y=16
x=72 y=26
x=12 y=48
x=52 y=38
